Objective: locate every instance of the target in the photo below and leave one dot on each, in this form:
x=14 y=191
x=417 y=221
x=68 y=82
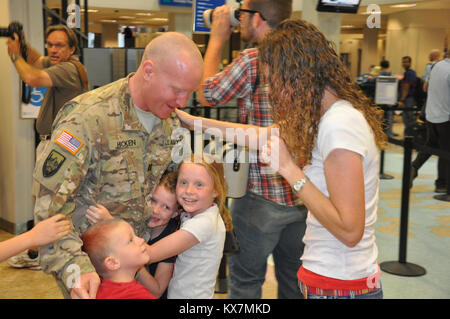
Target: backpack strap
x=82 y=73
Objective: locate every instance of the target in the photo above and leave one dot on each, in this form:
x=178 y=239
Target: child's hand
x=97 y=214
x=50 y=230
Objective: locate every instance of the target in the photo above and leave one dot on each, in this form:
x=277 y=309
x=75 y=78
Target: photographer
x=60 y=71
x=65 y=78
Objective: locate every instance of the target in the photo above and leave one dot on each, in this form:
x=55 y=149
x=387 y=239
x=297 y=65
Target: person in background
x=407 y=93
x=432 y=139
x=434 y=56
x=117 y=254
x=270 y=218
x=438 y=114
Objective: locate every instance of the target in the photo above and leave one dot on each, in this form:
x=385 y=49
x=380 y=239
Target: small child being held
x=117 y=254
x=43 y=233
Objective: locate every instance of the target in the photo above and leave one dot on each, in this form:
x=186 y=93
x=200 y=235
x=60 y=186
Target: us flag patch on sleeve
x=70 y=142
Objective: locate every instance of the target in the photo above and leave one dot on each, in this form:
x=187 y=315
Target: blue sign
x=201 y=6
x=37 y=95
x=180 y=3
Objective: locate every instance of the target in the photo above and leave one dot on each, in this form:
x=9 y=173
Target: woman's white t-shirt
x=343 y=127
x=195 y=271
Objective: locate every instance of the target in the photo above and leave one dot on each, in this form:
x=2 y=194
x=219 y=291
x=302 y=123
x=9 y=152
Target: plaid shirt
x=240 y=80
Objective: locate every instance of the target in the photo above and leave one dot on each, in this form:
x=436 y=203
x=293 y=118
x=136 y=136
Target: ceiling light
x=404 y=5
x=144 y=14
x=90 y=10
x=348 y=26
x=126 y=17
x=108 y=21
x=371 y=12
x=158 y=19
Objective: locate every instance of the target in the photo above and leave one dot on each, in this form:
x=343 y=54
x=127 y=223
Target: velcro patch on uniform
x=70 y=142
x=53 y=163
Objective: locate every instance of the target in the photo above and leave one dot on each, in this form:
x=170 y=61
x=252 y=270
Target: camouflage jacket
x=99 y=153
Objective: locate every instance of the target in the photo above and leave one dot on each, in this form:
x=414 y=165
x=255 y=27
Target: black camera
x=17 y=27
x=14 y=27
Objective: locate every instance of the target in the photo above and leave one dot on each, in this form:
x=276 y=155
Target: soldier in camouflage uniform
x=101 y=152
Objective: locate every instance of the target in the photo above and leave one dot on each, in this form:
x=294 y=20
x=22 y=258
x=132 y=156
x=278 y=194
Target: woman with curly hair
x=334 y=135
x=327 y=149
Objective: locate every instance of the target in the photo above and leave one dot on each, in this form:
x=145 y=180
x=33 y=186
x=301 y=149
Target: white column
x=17 y=149
x=327 y=22
x=369 y=54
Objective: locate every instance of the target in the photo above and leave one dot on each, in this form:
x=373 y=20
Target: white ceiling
x=114 y=11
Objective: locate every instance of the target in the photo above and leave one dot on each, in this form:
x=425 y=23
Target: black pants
x=443 y=132
x=432 y=140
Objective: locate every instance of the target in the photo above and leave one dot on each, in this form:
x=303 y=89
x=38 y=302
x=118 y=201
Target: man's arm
x=220 y=33
x=30 y=73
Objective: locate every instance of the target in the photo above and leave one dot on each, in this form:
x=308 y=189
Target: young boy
x=165 y=220
x=117 y=254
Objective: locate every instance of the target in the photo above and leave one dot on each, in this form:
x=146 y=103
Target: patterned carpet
x=428 y=239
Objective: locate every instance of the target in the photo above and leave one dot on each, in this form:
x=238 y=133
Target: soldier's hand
x=89 y=283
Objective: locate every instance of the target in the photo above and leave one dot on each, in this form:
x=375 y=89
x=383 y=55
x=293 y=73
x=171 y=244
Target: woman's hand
x=276 y=154
x=186 y=119
x=97 y=214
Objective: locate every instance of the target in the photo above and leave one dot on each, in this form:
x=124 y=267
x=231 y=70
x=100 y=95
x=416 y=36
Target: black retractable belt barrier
x=401 y=267
x=382 y=174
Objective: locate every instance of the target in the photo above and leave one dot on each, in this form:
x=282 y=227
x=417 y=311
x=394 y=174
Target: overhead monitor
x=342 y=6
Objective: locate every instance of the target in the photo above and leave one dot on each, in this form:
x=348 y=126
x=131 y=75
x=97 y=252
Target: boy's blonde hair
x=215 y=168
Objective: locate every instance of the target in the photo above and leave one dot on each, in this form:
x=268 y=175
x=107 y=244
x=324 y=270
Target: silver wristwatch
x=14 y=57
x=299 y=184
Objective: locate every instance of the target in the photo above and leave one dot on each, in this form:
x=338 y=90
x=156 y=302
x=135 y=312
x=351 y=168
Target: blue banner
x=201 y=6
x=180 y=3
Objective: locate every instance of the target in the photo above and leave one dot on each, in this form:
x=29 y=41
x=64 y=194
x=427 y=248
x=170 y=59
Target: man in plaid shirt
x=269 y=219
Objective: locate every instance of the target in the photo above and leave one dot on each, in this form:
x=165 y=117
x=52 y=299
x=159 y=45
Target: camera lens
x=4 y=32
x=234 y=17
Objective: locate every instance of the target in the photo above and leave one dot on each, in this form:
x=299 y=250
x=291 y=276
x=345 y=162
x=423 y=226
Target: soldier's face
x=170 y=86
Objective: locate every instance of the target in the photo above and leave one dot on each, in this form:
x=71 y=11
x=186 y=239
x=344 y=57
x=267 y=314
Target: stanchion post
x=382 y=174
x=401 y=267
x=405 y=198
